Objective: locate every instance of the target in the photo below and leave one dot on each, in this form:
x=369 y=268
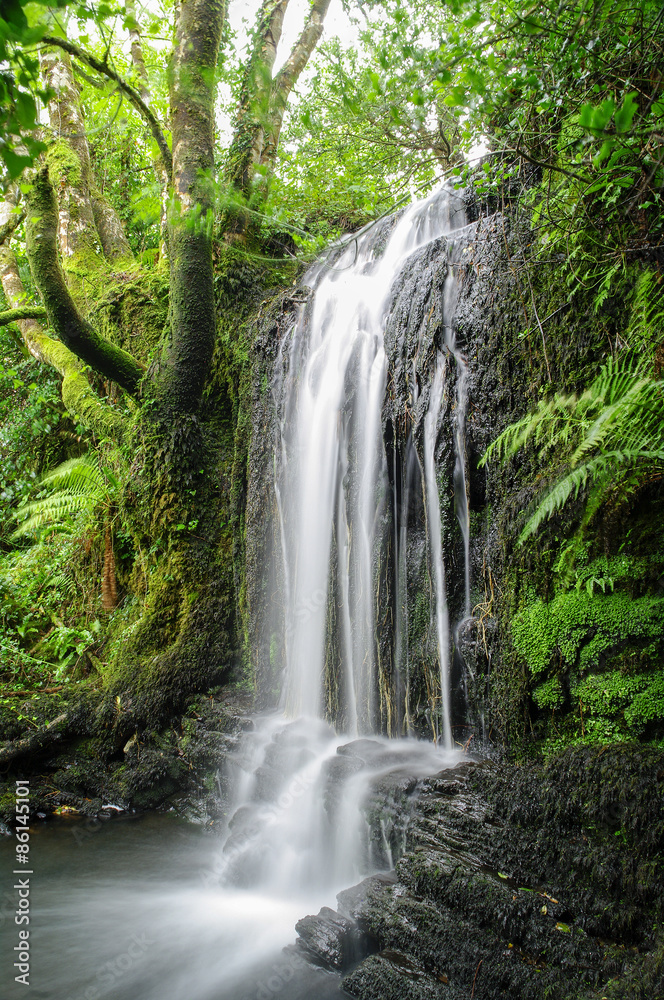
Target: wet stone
x=331 y=939
x=393 y=976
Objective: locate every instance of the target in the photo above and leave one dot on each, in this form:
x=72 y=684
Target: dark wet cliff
x=521 y=334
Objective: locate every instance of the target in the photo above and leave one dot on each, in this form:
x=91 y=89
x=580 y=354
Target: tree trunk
x=263 y=103
x=109 y=587
x=253 y=108
x=111 y=234
x=77 y=394
x=184 y=361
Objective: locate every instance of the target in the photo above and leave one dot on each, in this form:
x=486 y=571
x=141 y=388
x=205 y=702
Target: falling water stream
x=154 y=909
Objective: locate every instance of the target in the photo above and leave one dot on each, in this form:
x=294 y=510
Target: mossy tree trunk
x=179 y=440
x=262 y=105
x=77 y=393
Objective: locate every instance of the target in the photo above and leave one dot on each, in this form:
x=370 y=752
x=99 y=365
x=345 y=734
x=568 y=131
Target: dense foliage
x=555 y=112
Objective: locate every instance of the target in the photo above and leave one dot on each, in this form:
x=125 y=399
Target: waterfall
x=436 y=545
x=310 y=810
x=435 y=532
x=332 y=481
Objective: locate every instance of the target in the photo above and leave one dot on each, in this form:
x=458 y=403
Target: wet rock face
x=392 y=976
x=331 y=939
x=515 y=885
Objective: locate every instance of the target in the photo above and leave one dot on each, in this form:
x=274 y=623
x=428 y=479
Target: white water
x=299 y=828
x=333 y=476
x=460 y=411
x=455 y=219
x=435 y=535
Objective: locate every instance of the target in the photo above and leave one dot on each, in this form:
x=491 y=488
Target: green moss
x=595 y=653
x=132 y=310
x=64 y=164
x=550 y=694
x=580 y=629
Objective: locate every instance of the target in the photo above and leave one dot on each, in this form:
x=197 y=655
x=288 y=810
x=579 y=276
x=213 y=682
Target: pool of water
x=132 y=908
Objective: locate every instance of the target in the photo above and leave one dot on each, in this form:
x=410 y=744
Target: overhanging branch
x=28 y=312
x=73 y=330
x=101 y=66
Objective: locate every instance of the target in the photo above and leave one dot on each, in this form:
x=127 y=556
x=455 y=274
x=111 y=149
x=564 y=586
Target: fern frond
x=77 y=485
x=601 y=469
x=543 y=426
x=647 y=317
x=78 y=475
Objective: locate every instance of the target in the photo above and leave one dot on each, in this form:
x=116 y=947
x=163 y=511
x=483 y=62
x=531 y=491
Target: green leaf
x=625 y=114
x=15 y=162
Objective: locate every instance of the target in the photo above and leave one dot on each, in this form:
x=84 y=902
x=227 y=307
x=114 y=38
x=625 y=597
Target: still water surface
x=131 y=908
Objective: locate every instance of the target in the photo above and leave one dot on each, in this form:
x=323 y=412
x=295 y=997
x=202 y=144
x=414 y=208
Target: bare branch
x=12 y=223
x=288 y=76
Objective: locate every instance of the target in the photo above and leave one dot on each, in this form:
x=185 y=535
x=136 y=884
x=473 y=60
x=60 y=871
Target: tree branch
x=77 y=394
x=74 y=331
x=102 y=67
x=301 y=52
x=12 y=223
x=545 y=166
x=26 y=312
x=288 y=76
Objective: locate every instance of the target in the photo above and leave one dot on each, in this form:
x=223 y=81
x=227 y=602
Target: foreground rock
x=86 y=763
x=520 y=882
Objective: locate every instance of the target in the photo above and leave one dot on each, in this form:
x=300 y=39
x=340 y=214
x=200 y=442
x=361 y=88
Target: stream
x=153 y=907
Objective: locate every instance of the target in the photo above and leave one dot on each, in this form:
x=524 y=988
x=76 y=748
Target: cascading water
x=436 y=544
x=333 y=482
x=311 y=812
x=456 y=221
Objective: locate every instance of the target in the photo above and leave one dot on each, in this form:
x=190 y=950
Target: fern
x=77 y=485
x=613 y=432
x=647 y=317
